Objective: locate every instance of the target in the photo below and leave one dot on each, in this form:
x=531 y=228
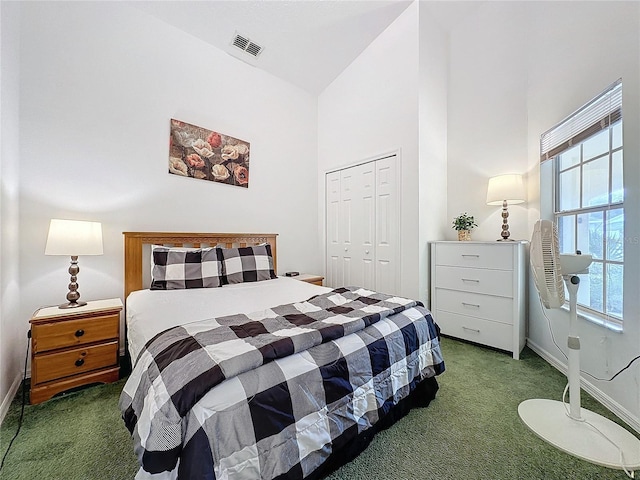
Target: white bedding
x=150 y=312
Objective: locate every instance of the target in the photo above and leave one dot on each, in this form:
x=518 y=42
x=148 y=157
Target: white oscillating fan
x=574 y=430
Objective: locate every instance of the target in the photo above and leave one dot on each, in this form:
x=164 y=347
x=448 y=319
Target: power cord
x=628 y=473
x=553 y=339
x=24 y=397
x=616 y=374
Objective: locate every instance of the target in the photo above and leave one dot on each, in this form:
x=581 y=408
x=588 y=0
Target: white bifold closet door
x=363 y=226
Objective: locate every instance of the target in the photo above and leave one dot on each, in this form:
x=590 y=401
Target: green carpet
x=471 y=431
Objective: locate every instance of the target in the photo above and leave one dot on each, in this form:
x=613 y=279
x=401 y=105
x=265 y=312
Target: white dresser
x=478 y=292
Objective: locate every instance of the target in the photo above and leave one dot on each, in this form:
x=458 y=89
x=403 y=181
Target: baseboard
x=6 y=402
x=615 y=408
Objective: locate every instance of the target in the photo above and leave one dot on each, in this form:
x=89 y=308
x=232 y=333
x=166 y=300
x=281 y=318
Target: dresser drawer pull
x=79 y=333
x=471 y=329
x=79 y=362
x=470 y=304
x=470 y=280
x=469 y=255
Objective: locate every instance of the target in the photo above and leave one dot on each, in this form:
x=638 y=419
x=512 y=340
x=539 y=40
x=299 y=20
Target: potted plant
x=464 y=224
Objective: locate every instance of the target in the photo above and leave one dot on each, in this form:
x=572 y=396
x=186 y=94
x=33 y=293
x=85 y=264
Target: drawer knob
x=79 y=333
x=79 y=362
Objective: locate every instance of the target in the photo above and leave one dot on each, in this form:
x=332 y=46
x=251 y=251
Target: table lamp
x=73 y=238
x=504 y=190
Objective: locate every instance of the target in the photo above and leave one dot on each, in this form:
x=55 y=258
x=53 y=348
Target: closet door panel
x=367 y=197
x=387 y=226
x=333 y=206
x=348 y=215
x=385 y=277
x=333 y=269
x=346 y=268
x=362 y=226
x=347 y=210
x=366 y=224
x=334 y=246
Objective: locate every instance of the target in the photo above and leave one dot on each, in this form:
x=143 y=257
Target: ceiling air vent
x=246 y=45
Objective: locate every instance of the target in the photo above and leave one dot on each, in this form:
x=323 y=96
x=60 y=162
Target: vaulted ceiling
x=305 y=42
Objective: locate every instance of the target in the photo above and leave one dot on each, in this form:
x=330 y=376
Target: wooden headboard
x=134 y=243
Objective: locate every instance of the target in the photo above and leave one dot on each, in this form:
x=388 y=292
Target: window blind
x=598 y=114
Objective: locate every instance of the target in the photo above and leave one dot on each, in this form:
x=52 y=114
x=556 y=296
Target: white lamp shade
x=73 y=238
x=505 y=187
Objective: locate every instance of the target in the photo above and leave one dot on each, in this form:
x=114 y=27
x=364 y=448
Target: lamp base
x=505 y=234
x=549 y=420
x=505 y=240
x=72 y=305
x=73 y=294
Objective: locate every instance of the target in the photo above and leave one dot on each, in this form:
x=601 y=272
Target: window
x=589 y=199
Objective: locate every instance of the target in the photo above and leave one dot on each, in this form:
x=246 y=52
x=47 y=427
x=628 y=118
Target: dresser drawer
x=485 y=332
x=49 y=336
x=490 y=282
x=488 y=307
x=476 y=255
x=53 y=366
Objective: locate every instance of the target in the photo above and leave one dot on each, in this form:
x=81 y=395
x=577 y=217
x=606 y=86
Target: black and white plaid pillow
x=247 y=264
x=180 y=268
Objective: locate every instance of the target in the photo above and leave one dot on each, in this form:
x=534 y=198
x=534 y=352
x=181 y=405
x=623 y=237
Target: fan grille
x=545 y=263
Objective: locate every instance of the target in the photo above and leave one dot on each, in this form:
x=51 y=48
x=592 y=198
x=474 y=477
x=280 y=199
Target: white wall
x=432 y=138
x=372 y=108
x=13 y=342
x=518 y=68
x=100 y=82
x=487 y=123
x=598 y=46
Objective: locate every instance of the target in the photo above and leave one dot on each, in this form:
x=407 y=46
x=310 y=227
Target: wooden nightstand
x=306 y=277
x=74 y=347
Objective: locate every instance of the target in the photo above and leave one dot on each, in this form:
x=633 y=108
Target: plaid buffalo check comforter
x=271 y=394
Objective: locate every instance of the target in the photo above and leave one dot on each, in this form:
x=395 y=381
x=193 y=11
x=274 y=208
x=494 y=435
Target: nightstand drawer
x=485 y=332
x=477 y=280
x=53 y=366
x=474 y=255
x=488 y=307
x=49 y=336
x=74 y=347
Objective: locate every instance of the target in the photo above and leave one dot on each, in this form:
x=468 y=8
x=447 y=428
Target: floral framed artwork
x=207 y=155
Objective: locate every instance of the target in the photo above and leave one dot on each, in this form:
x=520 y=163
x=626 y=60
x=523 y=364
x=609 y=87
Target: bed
x=264 y=377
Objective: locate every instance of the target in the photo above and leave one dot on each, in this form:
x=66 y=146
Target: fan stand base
x=549 y=420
